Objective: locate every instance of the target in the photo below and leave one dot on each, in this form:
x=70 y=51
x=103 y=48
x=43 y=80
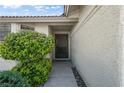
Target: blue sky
x=31 y=10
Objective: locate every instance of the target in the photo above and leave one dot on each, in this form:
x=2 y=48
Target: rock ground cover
x=78 y=78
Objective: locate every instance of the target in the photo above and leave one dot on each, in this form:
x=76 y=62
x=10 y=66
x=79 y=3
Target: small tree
x=30 y=49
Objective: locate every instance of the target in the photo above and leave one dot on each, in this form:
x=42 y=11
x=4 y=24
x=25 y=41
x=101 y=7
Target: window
x=4 y=30
x=25 y=27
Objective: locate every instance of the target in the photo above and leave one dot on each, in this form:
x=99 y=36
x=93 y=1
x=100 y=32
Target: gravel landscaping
x=78 y=78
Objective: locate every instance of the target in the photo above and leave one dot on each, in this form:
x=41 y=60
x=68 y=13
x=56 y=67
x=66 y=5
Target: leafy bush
x=30 y=49
x=36 y=73
x=12 y=79
x=26 y=45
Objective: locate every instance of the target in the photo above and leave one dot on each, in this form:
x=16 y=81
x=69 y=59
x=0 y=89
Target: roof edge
x=38 y=19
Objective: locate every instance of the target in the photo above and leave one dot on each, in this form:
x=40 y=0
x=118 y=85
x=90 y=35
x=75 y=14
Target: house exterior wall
x=15 y=27
x=95 y=46
x=42 y=28
x=121 y=30
x=6 y=64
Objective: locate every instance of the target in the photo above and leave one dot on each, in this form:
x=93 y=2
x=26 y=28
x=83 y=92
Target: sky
x=31 y=10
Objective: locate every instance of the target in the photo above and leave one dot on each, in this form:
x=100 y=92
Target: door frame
x=62 y=32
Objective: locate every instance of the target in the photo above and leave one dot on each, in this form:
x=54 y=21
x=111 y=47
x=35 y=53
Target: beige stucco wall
x=15 y=27
x=95 y=47
x=121 y=29
x=7 y=64
x=42 y=28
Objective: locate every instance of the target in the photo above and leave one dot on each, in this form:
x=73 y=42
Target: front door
x=61 y=46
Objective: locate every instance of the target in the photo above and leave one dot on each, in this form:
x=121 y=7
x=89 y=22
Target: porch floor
x=61 y=75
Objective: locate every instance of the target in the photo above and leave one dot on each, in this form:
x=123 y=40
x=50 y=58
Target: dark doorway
x=61 y=46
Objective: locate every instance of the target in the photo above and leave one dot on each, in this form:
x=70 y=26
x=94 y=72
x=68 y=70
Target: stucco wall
x=42 y=28
x=6 y=64
x=95 y=46
x=15 y=27
x=121 y=29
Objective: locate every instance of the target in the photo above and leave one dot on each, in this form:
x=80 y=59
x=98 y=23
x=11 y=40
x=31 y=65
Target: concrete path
x=61 y=75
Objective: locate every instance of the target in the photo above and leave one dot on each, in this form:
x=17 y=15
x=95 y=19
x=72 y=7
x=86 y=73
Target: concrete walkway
x=61 y=75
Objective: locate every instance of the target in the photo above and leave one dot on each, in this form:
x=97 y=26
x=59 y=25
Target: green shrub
x=36 y=73
x=30 y=49
x=12 y=79
x=26 y=45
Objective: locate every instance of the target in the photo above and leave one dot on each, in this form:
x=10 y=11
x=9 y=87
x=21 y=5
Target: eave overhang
x=37 y=19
